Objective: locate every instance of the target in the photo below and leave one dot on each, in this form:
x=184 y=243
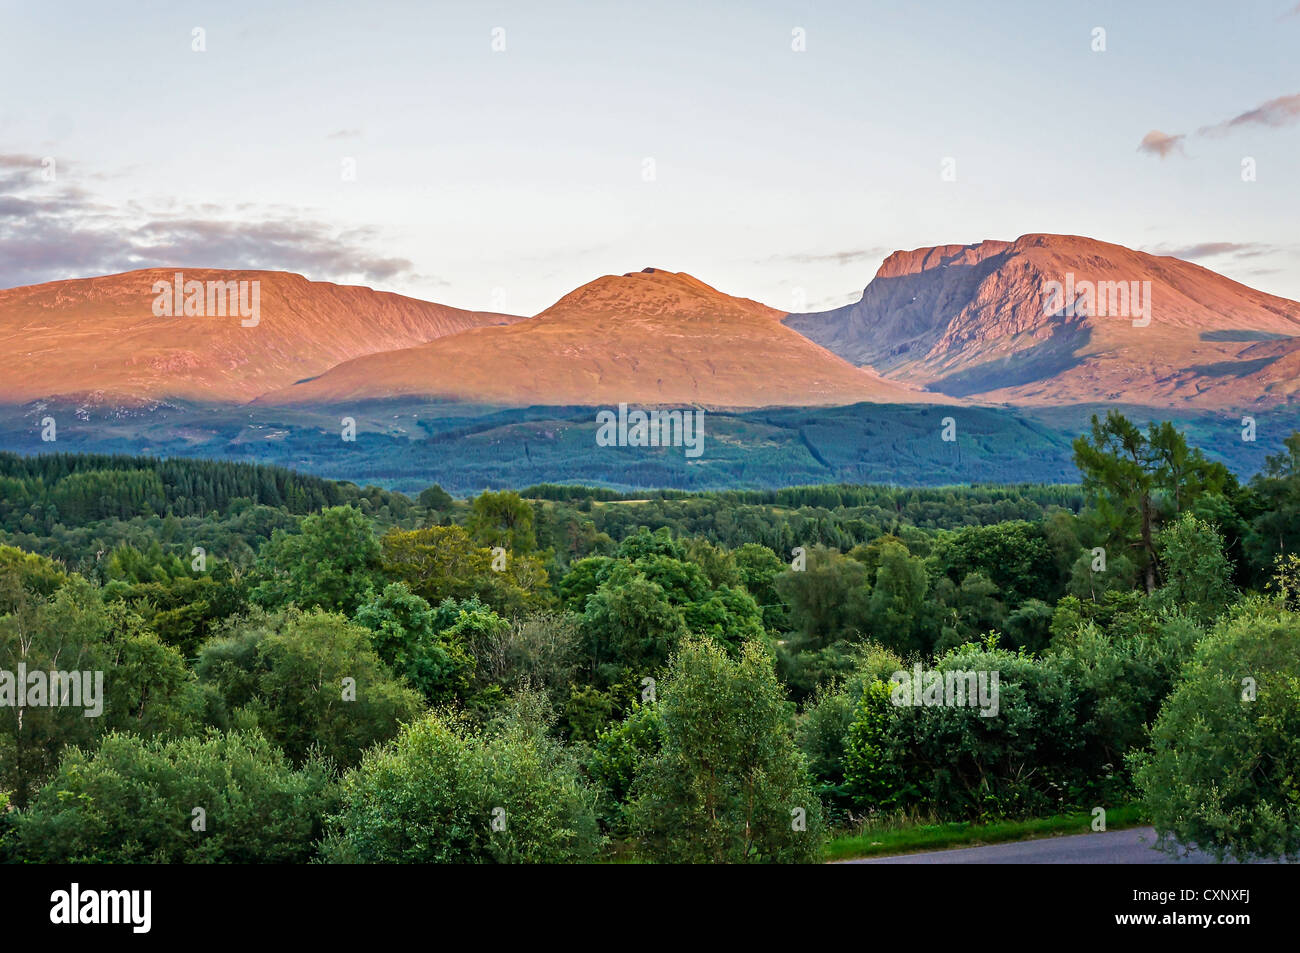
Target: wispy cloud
x=1160 y=144
x=1212 y=250
x=53 y=230
x=852 y=257
x=1282 y=111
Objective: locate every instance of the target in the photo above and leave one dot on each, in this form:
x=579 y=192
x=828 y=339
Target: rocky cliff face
x=1060 y=318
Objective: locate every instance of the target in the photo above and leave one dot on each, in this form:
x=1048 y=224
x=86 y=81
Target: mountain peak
x=654 y=291
x=992 y=320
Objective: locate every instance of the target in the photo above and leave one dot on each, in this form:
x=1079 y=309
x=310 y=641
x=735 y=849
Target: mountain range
x=1045 y=320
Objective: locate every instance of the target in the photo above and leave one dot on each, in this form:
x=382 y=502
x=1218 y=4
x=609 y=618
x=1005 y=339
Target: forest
x=301 y=670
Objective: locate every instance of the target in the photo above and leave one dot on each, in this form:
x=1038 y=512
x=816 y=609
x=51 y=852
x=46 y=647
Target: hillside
x=985 y=321
x=98 y=340
x=650 y=337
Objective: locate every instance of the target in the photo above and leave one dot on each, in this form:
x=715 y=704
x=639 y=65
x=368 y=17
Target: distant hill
x=649 y=337
x=98 y=340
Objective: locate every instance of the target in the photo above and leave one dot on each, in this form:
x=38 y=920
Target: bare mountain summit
x=102 y=340
x=650 y=337
x=1059 y=319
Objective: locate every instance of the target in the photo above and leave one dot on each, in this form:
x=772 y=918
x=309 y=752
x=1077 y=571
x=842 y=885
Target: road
x=1132 y=846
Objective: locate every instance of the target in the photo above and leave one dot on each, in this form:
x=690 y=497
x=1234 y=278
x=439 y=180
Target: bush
x=961 y=764
x=443 y=793
x=728 y=783
x=1223 y=772
x=132 y=800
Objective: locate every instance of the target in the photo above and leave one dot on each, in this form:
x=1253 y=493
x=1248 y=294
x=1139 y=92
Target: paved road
x=1132 y=846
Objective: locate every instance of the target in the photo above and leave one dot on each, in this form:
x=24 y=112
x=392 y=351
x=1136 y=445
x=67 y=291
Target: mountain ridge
x=103 y=339
x=978 y=321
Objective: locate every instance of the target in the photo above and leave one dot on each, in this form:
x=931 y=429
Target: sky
x=497 y=155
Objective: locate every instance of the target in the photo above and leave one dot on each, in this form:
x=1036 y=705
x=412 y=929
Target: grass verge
x=910 y=838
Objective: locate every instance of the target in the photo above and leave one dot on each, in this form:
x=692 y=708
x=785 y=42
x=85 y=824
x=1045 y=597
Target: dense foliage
x=333 y=673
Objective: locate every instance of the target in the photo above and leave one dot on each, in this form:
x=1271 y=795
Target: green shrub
x=1223 y=772
x=132 y=800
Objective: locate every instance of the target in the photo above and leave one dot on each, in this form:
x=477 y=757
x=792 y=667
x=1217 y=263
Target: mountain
x=100 y=339
x=649 y=337
x=987 y=321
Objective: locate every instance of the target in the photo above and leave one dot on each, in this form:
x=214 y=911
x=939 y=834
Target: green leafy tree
x=1198 y=576
x=333 y=563
x=1134 y=478
x=630 y=624
x=415 y=640
x=870 y=777
x=728 y=784
x=959 y=761
x=758 y=567
x=435 y=498
x=827 y=598
x=307 y=679
x=502 y=519
x=616 y=757
x=1222 y=770
x=146 y=686
x=897 y=604
x=444 y=793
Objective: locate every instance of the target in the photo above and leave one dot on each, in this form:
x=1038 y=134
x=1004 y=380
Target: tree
x=959 y=761
x=758 y=567
x=630 y=624
x=443 y=562
x=540 y=651
x=406 y=633
x=1274 y=496
x=1132 y=477
x=435 y=498
x=130 y=800
x=728 y=783
x=444 y=793
x=307 y=679
x=1198 y=576
x=827 y=598
x=898 y=598
x=146 y=687
x=332 y=562
x=502 y=519
x=870 y=777
x=1224 y=758
x=1121 y=673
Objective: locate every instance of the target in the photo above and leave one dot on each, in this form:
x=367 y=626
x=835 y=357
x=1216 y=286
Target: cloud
x=55 y=230
x=1282 y=111
x=344 y=134
x=1212 y=250
x=1159 y=144
x=836 y=257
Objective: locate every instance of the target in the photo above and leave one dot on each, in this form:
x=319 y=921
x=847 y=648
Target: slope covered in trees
x=577 y=674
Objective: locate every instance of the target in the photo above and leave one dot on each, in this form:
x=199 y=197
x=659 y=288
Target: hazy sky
x=504 y=179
